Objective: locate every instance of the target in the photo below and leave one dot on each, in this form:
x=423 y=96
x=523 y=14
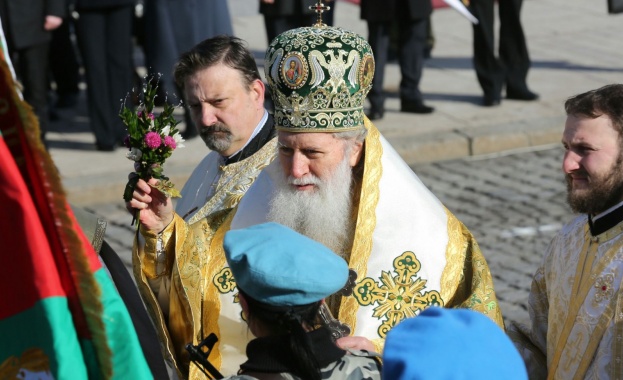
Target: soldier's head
x=419 y=348
x=593 y=141
x=223 y=90
x=282 y=278
x=321 y=126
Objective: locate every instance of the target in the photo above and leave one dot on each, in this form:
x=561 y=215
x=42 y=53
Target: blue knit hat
x=444 y=344
x=278 y=266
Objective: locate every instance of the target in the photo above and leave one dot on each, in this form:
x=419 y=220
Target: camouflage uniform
x=356 y=365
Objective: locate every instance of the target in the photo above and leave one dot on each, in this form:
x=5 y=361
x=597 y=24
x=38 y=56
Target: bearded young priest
x=338 y=181
x=576 y=299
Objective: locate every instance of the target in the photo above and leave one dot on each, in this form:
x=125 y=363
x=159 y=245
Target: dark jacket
x=94 y=5
x=271 y=358
x=389 y=10
x=287 y=7
x=23 y=20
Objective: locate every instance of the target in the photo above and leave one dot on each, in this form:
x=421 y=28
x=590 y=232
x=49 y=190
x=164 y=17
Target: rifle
x=337 y=328
x=199 y=355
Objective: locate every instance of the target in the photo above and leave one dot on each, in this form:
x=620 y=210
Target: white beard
x=323 y=214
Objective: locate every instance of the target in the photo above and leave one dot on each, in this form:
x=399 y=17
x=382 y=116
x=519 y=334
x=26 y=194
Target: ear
x=244 y=305
x=258 y=89
x=355 y=153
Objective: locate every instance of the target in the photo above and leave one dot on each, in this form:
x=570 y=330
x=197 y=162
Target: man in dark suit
x=511 y=68
x=282 y=15
x=411 y=18
x=104 y=32
x=64 y=65
x=28 y=26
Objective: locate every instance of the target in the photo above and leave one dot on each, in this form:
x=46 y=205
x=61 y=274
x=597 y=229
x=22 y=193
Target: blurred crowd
x=58 y=44
x=93 y=41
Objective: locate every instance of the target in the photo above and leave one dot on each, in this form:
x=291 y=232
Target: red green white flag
x=61 y=316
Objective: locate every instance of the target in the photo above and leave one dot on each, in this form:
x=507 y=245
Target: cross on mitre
x=319 y=8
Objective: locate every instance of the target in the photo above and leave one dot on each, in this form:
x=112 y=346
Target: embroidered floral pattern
x=224 y=281
x=604 y=286
x=397 y=297
x=235 y=180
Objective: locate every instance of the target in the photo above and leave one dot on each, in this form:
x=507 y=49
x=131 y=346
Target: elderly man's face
x=308 y=157
x=313 y=193
x=224 y=109
x=593 y=164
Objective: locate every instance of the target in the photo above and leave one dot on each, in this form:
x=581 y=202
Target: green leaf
x=129 y=188
x=166 y=187
x=156 y=171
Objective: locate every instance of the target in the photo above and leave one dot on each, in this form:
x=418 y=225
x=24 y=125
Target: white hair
x=323 y=215
x=358 y=135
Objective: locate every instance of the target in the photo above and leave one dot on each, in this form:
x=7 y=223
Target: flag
x=61 y=316
x=460 y=7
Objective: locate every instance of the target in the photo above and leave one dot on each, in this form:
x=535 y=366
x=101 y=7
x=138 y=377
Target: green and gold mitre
x=319 y=77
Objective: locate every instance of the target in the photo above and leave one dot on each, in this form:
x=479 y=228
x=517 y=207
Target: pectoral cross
x=337 y=328
x=319 y=8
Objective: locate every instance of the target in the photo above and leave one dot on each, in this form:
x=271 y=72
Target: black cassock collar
x=606 y=222
x=265 y=135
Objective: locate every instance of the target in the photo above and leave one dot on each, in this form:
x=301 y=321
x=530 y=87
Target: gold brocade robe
x=172 y=284
x=576 y=307
x=409 y=252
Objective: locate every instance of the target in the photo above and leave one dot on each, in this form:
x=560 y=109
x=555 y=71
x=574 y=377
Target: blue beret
x=278 y=266
x=450 y=344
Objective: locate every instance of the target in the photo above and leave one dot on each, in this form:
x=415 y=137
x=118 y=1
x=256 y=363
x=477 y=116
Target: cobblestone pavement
x=512 y=203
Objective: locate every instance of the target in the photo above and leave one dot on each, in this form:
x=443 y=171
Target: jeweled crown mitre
x=319 y=77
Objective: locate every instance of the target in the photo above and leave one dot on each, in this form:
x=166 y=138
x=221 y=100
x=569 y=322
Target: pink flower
x=150 y=115
x=170 y=142
x=153 y=140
